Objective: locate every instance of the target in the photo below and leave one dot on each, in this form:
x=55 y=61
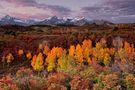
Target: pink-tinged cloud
x=28 y=9
x=113 y=10
x=22 y=2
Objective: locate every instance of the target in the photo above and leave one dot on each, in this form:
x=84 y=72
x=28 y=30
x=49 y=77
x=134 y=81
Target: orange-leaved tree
x=33 y=60
x=79 y=53
x=72 y=51
x=87 y=49
x=46 y=50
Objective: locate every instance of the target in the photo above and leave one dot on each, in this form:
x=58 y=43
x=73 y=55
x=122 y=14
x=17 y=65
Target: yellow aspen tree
x=50 y=60
x=39 y=63
x=107 y=59
x=63 y=61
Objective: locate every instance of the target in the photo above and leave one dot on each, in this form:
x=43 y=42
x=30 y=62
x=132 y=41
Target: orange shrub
x=9 y=58
x=20 y=52
x=28 y=55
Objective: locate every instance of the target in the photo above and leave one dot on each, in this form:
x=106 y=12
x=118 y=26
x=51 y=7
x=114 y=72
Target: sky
x=117 y=11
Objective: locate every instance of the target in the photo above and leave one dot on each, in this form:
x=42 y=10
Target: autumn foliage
x=37 y=62
x=84 y=53
x=82 y=66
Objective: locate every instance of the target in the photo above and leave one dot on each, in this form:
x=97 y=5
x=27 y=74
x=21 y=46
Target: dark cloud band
x=114 y=10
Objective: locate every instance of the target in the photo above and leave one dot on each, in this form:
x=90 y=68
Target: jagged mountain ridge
x=8 y=20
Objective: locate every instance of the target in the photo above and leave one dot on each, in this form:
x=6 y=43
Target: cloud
x=55 y=9
x=22 y=2
x=126 y=7
x=114 y=10
x=125 y=18
x=32 y=9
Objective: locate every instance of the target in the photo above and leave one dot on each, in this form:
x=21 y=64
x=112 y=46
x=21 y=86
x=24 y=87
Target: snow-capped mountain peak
x=8 y=20
x=7 y=17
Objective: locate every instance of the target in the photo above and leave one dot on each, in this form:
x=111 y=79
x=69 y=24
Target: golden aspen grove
x=78 y=64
